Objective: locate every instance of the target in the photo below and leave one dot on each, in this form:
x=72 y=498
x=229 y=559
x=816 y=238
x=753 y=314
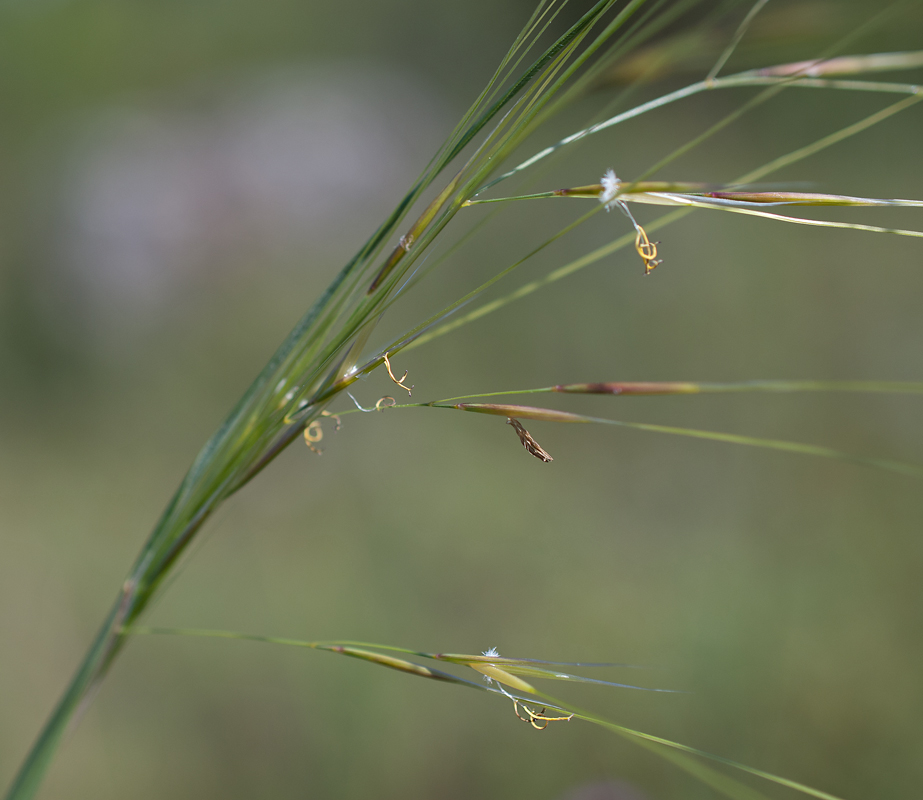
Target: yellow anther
x=534 y=717
x=403 y=377
x=647 y=250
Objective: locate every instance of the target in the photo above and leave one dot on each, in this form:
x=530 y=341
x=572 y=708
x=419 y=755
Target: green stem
x=29 y=777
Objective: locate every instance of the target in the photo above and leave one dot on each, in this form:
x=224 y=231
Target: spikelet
x=528 y=442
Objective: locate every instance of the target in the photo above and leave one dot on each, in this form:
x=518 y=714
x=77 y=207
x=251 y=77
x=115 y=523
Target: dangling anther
x=528 y=442
x=312 y=435
x=334 y=417
x=516 y=710
x=534 y=717
x=382 y=404
x=403 y=377
x=540 y=715
x=646 y=249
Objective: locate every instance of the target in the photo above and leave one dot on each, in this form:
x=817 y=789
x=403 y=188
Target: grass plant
x=549 y=65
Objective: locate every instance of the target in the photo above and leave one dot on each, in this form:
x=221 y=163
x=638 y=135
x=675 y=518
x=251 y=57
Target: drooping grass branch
x=667 y=219
x=506 y=677
x=514 y=413
x=615 y=194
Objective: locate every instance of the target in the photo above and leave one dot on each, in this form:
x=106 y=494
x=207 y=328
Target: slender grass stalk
x=772 y=76
x=661 y=388
x=735 y=40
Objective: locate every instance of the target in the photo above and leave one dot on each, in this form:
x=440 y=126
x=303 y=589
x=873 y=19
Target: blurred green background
x=179 y=181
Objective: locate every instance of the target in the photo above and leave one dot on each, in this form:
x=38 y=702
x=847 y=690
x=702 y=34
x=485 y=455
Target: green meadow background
x=180 y=180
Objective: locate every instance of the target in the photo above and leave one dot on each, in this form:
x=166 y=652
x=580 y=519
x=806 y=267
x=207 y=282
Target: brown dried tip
x=528 y=442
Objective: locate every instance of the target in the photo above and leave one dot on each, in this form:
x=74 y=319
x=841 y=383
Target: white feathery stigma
x=610 y=184
x=492 y=653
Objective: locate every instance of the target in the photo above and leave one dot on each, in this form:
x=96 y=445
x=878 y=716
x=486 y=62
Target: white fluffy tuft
x=610 y=184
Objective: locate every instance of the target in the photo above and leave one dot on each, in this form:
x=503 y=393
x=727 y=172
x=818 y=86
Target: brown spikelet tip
x=528 y=442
